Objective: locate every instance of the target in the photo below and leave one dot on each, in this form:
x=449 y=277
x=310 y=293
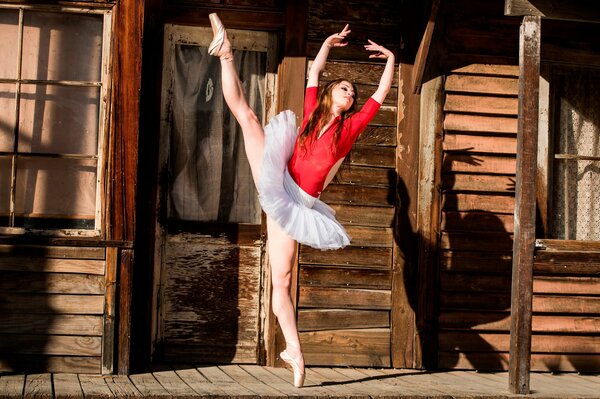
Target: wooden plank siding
x=52 y=309
x=344 y=296
x=475 y=244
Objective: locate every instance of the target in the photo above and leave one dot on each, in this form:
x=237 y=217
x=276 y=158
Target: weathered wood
x=489 y=69
x=11 y=386
x=500 y=321
x=481 y=203
x=226 y=383
x=367 y=74
x=246 y=380
x=94 y=386
x=331 y=319
x=122 y=156
x=38 y=386
x=484 y=241
x=591 y=248
x=343 y=298
x=428 y=212
x=363 y=175
x=481 y=104
x=357 y=195
x=423 y=52
x=51 y=364
x=566 y=285
x=172 y=383
x=469 y=182
x=370 y=236
x=148 y=386
x=59 y=252
x=488 y=342
x=474 y=283
x=480 y=124
x=51 y=283
x=404 y=347
x=577 y=10
x=66 y=386
x=490 y=262
x=369 y=155
x=49 y=265
x=345 y=277
x=477 y=221
x=200 y=384
x=218 y=290
x=73 y=304
x=525 y=197
x=475 y=163
x=566 y=304
x=539 y=362
x=351 y=256
x=110 y=311
x=125 y=271
x=363 y=347
x=16 y=323
x=378 y=135
x=364 y=215
x=121 y=386
x=50 y=345
x=482 y=84
x=480 y=144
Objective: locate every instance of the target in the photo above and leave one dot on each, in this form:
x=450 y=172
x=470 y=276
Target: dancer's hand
x=338 y=39
x=380 y=51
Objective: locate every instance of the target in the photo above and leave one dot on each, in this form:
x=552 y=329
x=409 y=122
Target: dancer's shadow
x=475 y=274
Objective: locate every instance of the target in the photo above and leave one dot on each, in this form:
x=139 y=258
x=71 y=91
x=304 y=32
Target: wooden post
x=524 y=235
x=125 y=296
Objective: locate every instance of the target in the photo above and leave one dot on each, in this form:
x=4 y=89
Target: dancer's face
x=342 y=95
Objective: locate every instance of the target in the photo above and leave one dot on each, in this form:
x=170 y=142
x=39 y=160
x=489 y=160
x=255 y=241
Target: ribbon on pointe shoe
x=219 y=34
x=298 y=374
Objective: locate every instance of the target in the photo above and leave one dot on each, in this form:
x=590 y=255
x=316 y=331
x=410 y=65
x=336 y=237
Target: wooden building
x=130 y=228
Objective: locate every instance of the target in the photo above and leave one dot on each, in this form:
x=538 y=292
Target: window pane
x=7 y=116
x=9 y=32
x=62 y=46
x=579 y=128
x=576 y=190
x=59 y=119
x=60 y=189
x=210 y=175
x=576 y=199
x=5 y=168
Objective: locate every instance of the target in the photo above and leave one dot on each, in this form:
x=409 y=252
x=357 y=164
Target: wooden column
x=524 y=235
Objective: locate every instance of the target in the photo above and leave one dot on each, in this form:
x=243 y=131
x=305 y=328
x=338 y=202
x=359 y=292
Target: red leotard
x=309 y=168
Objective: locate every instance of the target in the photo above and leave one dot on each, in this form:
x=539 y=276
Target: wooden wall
x=479 y=64
x=57 y=309
x=475 y=245
x=344 y=299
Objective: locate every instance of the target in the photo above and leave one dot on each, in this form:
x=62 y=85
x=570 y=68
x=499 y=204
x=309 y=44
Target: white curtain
x=210 y=178
x=576 y=194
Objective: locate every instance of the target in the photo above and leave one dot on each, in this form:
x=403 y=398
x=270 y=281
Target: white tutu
x=306 y=219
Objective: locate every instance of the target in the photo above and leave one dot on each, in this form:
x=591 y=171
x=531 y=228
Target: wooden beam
x=423 y=51
x=125 y=296
x=573 y=10
x=525 y=205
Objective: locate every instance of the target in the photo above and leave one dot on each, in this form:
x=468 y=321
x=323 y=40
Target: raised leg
x=235 y=98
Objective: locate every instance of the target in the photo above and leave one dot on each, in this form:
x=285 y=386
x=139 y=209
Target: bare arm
x=385 y=83
x=335 y=40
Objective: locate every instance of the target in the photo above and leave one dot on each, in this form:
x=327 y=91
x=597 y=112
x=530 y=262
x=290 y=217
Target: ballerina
x=291 y=169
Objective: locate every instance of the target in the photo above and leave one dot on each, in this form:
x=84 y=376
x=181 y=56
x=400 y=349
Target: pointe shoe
x=298 y=374
x=218 y=35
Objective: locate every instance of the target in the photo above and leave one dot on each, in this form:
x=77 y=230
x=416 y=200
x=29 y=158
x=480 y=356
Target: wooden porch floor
x=249 y=382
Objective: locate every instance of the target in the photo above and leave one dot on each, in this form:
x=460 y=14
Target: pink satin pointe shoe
x=218 y=35
x=298 y=373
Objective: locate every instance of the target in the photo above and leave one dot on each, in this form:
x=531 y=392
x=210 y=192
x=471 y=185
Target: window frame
x=104 y=101
x=550 y=74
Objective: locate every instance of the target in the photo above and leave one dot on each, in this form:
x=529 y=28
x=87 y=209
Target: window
x=53 y=95
x=575 y=163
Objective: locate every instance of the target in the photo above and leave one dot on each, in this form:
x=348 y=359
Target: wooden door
x=209 y=248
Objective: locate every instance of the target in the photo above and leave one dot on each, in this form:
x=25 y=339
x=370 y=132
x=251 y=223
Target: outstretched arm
x=385 y=83
x=335 y=40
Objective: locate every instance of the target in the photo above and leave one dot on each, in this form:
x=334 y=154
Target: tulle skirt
x=305 y=218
